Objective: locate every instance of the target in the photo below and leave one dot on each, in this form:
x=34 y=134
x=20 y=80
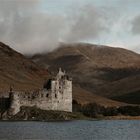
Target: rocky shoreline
x=34 y=114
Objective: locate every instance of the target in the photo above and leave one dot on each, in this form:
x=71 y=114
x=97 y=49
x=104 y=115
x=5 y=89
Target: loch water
x=71 y=130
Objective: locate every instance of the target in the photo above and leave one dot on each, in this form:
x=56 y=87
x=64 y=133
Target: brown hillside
x=18 y=71
x=23 y=74
x=103 y=70
x=84 y=97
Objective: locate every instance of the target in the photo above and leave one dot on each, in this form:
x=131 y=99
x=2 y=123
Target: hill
x=106 y=71
x=18 y=71
x=83 y=97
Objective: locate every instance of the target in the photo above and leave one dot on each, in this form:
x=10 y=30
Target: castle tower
x=60 y=74
x=61 y=89
x=15 y=105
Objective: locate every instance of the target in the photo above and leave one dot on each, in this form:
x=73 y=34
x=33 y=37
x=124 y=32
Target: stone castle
x=56 y=95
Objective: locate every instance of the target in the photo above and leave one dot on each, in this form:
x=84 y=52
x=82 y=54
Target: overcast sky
x=32 y=26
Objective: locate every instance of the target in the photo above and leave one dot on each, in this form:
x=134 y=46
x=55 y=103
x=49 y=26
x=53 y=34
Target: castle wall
x=58 y=97
x=46 y=100
x=40 y=99
x=68 y=96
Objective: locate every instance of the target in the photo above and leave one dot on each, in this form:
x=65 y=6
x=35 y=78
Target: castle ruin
x=56 y=95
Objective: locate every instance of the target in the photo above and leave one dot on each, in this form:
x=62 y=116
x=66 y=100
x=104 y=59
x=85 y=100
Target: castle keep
x=56 y=95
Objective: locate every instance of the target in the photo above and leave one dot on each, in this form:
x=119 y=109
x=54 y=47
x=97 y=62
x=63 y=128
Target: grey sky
x=32 y=26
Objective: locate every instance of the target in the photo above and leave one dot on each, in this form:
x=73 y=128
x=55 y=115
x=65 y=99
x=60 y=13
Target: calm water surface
x=75 y=130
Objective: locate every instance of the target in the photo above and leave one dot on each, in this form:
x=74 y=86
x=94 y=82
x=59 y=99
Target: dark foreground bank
x=35 y=114
x=86 y=112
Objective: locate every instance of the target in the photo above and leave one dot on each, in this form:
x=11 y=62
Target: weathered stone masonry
x=56 y=95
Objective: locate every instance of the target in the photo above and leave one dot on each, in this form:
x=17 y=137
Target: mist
x=29 y=29
x=26 y=29
x=87 y=24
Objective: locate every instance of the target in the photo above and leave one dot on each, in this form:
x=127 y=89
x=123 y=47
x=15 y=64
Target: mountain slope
x=23 y=74
x=84 y=97
x=18 y=71
x=103 y=70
